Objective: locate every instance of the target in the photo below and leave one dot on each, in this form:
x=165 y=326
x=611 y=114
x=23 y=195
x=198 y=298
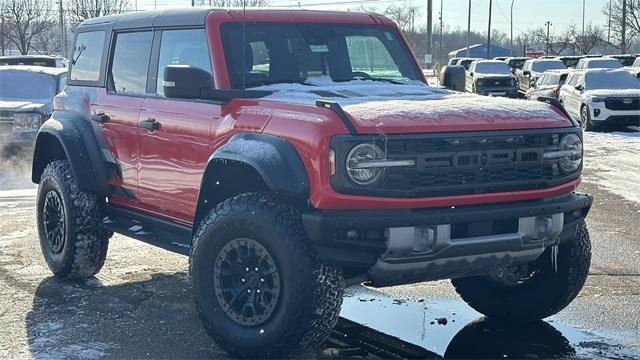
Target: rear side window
x=87 y=56
x=131 y=62
x=184 y=47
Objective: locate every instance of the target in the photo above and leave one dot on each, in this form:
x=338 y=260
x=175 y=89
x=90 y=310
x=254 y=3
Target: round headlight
x=572 y=145
x=356 y=164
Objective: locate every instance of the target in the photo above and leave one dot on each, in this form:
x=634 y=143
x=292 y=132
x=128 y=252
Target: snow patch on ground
x=46 y=344
x=612 y=161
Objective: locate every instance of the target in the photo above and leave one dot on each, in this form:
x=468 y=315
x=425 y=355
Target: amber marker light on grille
x=332 y=162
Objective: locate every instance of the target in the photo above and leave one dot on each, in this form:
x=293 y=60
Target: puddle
x=450 y=329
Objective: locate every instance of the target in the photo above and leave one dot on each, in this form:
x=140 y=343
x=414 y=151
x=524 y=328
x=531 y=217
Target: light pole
x=489 y=32
x=469 y=29
x=548 y=24
x=583 y=16
x=440 y=54
x=511 y=42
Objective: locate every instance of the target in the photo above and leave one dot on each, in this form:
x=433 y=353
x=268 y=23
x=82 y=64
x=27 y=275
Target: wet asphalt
x=140 y=306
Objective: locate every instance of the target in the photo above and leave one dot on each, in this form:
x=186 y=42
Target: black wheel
x=532 y=291
x=585 y=119
x=259 y=287
x=73 y=243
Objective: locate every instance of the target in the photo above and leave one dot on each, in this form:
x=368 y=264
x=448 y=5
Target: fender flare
x=276 y=160
x=77 y=139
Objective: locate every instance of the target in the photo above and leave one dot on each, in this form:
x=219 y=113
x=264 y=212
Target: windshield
x=625 y=60
x=611 y=80
x=542 y=65
x=571 y=62
x=517 y=63
x=493 y=68
x=604 y=63
x=293 y=52
x=27 y=85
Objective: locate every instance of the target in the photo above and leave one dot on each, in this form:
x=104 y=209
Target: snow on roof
x=32 y=68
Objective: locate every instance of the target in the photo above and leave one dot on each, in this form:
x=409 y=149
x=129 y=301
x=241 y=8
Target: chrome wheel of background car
x=246 y=281
x=53 y=218
x=584 y=117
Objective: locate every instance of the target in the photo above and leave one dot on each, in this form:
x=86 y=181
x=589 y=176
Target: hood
x=377 y=107
x=613 y=92
x=25 y=106
x=493 y=76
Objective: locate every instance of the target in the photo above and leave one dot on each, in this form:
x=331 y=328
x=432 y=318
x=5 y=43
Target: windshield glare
x=493 y=68
x=27 y=85
x=611 y=80
x=293 y=52
x=542 y=66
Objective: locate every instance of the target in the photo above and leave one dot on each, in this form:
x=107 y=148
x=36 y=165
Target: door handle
x=100 y=118
x=150 y=124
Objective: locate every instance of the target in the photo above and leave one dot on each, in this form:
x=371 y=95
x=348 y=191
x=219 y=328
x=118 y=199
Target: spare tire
x=453 y=77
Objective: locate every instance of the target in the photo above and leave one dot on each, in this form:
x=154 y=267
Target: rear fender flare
x=76 y=138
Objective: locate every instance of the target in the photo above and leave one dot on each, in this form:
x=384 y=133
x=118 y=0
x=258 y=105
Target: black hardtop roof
x=142 y=19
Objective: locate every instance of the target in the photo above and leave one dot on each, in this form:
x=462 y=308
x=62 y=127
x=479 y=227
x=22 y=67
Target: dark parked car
x=570 y=61
x=625 y=59
x=548 y=84
x=26 y=97
x=466 y=62
x=491 y=77
x=533 y=68
x=516 y=63
x=35 y=60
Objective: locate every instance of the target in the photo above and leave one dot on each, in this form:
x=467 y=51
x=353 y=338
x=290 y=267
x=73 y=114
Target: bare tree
x=593 y=37
x=404 y=15
x=80 y=10
x=556 y=44
x=25 y=20
x=633 y=22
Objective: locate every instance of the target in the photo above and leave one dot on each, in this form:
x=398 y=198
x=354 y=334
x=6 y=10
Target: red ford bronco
x=292 y=153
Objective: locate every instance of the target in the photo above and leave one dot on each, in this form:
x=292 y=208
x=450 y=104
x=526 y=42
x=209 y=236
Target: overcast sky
x=527 y=13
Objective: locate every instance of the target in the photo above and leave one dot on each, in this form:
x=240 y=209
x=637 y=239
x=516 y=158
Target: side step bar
x=151 y=230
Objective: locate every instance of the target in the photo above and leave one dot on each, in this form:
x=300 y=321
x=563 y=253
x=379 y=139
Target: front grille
x=622 y=103
x=455 y=166
x=496 y=82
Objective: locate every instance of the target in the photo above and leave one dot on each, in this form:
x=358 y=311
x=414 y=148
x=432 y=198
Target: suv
x=491 y=77
x=292 y=153
x=598 y=63
x=532 y=69
x=25 y=104
x=548 y=84
x=600 y=97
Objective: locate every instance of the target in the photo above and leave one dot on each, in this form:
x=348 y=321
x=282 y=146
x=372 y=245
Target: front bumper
x=499 y=92
x=601 y=115
x=466 y=240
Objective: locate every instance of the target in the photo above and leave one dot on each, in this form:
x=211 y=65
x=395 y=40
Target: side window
x=131 y=62
x=87 y=56
x=571 y=81
x=542 y=80
x=184 y=47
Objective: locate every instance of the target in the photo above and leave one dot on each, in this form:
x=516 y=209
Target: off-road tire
x=311 y=292
x=543 y=294
x=85 y=241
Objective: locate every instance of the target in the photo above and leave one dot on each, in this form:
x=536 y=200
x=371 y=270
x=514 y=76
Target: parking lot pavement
x=140 y=306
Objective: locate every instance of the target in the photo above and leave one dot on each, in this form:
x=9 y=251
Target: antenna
x=244 y=45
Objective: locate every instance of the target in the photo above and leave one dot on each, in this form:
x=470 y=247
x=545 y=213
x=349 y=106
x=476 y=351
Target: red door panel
x=173 y=158
x=121 y=136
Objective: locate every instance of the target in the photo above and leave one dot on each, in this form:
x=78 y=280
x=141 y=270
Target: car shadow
x=156 y=318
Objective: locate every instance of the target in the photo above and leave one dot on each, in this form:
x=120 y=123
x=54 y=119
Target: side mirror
x=579 y=87
x=186 y=82
x=471 y=74
x=190 y=82
x=526 y=73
